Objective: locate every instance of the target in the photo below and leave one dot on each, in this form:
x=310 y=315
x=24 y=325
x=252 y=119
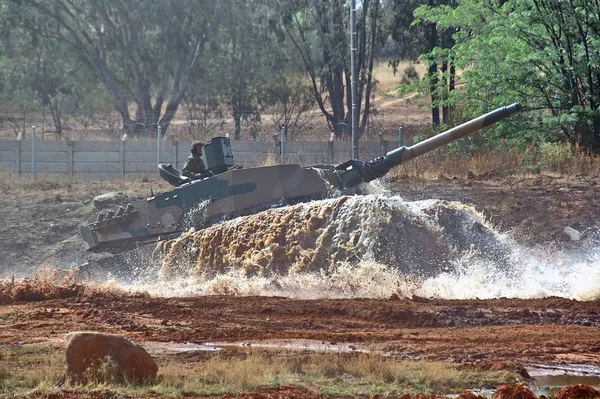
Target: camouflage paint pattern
x=230 y=194
x=239 y=192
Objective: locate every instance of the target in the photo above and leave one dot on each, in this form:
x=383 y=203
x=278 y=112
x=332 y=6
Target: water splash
x=371 y=246
x=530 y=274
x=417 y=239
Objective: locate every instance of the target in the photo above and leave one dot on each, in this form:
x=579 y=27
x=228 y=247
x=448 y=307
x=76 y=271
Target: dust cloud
x=370 y=246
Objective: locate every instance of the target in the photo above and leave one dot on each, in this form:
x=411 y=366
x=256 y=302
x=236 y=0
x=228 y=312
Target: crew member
x=194 y=166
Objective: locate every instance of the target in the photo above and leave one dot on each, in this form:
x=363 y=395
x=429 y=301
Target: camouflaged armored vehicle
x=233 y=191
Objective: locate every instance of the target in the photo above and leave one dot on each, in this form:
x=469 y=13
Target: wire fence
x=112 y=159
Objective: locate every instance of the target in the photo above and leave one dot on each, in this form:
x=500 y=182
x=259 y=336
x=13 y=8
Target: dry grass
x=39 y=370
x=270 y=160
x=387 y=81
x=51 y=186
x=26 y=368
x=547 y=158
x=333 y=374
x=46 y=284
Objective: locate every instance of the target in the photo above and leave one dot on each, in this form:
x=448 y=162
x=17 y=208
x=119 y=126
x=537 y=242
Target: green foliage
x=542 y=54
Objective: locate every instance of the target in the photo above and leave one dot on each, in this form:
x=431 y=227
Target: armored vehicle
x=232 y=191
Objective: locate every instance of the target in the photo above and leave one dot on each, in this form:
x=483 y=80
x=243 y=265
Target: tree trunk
x=445 y=91
x=58 y=127
x=369 y=82
x=433 y=75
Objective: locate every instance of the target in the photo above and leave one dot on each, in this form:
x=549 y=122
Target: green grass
x=37 y=370
x=26 y=368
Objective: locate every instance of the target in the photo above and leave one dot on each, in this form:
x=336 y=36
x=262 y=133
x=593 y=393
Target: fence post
x=174 y=153
x=330 y=144
x=158 y=134
x=400 y=136
x=70 y=158
x=283 y=129
x=122 y=155
x=18 y=154
x=33 y=152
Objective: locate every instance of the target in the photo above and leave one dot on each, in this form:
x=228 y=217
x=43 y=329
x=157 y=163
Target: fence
x=106 y=160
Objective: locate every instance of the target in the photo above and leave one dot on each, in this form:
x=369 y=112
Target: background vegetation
x=131 y=65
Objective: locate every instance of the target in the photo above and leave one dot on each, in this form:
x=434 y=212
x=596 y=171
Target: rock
x=104 y=358
x=110 y=200
x=573 y=234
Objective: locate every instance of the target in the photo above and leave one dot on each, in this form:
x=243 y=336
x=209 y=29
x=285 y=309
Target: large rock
x=103 y=357
x=110 y=200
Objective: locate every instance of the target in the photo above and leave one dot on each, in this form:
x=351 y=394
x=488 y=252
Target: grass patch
x=25 y=368
x=332 y=374
x=39 y=370
x=548 y=158
x=43 y=285
x=51 y=283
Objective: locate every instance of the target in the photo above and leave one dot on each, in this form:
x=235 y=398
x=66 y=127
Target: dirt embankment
x=40 y=223
x=535 y=210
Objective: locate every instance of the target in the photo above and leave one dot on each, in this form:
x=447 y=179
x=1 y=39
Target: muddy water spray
x=368 y=246
x=371 y=246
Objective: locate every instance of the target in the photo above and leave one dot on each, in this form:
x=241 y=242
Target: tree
x=252 y=57
x=40 y=75
x=413 y=40
x=292 y=99
x=319 y=32
x=141 y=50
x=541 y=53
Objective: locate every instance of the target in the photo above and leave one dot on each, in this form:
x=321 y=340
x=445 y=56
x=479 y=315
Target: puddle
x=549 y=379
x=295 y=345
x=162 y=348
x=178 y=347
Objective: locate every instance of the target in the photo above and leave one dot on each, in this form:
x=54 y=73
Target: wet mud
x=485 y=335
x=417 y=239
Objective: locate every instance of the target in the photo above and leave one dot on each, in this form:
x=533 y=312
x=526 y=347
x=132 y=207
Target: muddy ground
x=40 y=226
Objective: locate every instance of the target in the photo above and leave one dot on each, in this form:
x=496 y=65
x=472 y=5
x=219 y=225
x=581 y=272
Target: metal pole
x=353 y=49
x=158 y=133
x=33 y=152
x=283 y=144
x=400 y=136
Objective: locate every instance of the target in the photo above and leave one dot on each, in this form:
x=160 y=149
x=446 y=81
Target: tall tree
x=433 y=72
x=319 y=31
x=45 y=71
x=141 y=50
x=252 y=57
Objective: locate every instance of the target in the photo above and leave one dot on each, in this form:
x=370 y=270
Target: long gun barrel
x=353 y=172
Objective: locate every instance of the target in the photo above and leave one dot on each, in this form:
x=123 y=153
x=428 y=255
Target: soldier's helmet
x=196 y=147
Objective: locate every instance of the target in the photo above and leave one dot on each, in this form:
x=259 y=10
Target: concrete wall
x=105 y=160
